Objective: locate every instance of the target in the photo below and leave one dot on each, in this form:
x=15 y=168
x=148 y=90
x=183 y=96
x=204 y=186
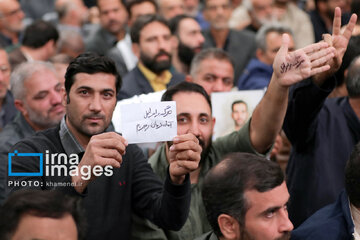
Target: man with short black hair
x=151 y=42
x=137 y=8
x=113 y=177
x=35 y=214
x=189 y=39
x=39 y=43
x=239 y=113
x=245 y=197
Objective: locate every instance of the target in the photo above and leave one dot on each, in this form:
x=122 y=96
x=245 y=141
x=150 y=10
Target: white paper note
x=149 y=122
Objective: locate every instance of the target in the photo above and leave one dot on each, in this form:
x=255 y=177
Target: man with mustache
x=111 y=176
x=36 y=89
x=151 y=38
x=194 y=115
x=187 y=34
x=239 y=44
x=245 y=198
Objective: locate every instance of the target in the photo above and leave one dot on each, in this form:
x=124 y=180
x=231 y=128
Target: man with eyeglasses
x=239 y=44
x=11 y=17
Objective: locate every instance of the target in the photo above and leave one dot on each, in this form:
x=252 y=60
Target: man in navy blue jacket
x=323 y=133
x=341 y=219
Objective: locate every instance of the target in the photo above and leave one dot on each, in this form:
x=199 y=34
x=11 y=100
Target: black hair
x=224 y=186
x=185 y=87
x=352 y=176
x=238 y=102
x=131 y=3
x=49 y=204
x=90 y=63
x=175 y=22
x=39 y=33
x=141 y=22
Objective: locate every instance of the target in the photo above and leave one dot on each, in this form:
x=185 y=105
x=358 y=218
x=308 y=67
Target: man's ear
x=189 y=78
x=213 y=124
x=229 y=227
x=174 y=42
x=136 y=49
x=259 y=53
x=20 y=106
x=64 y=96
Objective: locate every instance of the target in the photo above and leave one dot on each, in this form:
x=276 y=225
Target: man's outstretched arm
x=289 y=68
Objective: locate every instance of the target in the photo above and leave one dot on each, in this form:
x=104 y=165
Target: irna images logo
x=55 y=165
x=25 y=174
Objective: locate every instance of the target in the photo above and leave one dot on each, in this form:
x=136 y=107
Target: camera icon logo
x=17 y=155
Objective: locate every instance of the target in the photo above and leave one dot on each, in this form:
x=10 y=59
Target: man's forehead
x=260 y=201
x=187 y=101
x=3 y=58
x=212 y=65
x=188 y=24
x=147 y=32
x=98 y=80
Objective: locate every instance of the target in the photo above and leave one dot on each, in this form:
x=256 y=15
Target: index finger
x=185 y=137
x=112 y=135
x=337 y=21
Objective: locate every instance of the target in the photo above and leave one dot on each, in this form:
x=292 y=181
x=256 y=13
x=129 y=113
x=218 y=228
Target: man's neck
x=82 y=139
x=220 y=36
x=35 y=54
x=355 y=104
x=120 y=35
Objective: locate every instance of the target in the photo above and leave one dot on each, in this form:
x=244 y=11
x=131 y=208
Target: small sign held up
x=149 y=122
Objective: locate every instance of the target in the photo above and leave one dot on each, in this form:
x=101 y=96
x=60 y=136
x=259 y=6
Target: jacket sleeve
x=165 y=204
x=305 y=102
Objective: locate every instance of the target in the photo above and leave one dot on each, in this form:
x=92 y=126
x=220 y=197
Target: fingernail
x=176 y=139
x=171 y=148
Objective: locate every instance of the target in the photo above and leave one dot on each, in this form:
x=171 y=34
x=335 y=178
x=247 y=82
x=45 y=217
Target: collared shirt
x=124 y=47
x=69 y=142
x=157 y=82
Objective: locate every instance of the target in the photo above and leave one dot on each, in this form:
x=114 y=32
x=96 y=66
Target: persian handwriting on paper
x=287 y=67
x=154 y=125
x=150 y=114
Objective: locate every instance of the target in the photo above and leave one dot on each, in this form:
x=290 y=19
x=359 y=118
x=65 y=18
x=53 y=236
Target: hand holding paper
x=184 y=156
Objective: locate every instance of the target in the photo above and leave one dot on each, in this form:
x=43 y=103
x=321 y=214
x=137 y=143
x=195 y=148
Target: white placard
x=149 y=122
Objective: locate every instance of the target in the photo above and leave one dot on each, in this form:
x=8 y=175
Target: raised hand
x=103 y=150
x=339 y=39
x=184 y=156
x=292 y=67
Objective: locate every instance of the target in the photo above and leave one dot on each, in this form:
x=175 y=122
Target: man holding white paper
x=194 y=116
x=113 y=178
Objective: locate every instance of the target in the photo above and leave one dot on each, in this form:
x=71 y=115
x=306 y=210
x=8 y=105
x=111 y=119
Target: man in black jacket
x=83 y=157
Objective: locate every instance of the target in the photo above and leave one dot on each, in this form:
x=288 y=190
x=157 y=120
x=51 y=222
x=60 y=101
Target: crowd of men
x=67 y=66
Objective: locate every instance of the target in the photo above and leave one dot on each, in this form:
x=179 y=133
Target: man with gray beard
x=37 y=96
